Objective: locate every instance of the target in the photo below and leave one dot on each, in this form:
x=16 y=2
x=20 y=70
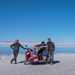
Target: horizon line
x=32 y=43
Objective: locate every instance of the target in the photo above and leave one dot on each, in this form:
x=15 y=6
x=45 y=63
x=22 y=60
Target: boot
x=11 y=61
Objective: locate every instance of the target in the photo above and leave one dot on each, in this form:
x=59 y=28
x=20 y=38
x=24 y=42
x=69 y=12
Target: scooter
x=31 y=58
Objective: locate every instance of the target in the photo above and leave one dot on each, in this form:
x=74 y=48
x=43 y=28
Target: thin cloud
x=32 y=43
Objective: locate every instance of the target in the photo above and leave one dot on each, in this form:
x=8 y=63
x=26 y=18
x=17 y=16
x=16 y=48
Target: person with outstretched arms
x=15 y=47
x=42 y=48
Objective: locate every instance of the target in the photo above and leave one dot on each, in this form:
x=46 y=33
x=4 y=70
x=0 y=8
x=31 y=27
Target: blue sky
x=37 y=20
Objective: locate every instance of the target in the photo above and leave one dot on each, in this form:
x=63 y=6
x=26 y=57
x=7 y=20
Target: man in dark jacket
x=51 y=49
x=41 y=47
x=15 y=46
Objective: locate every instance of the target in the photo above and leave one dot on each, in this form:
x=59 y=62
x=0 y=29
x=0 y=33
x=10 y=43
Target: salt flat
x=64 y=65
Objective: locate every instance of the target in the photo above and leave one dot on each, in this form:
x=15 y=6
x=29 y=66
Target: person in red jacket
x=30 y=57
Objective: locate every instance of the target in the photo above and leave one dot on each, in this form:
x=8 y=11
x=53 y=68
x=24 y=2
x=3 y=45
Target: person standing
x=51 y=49
x=15 y=47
